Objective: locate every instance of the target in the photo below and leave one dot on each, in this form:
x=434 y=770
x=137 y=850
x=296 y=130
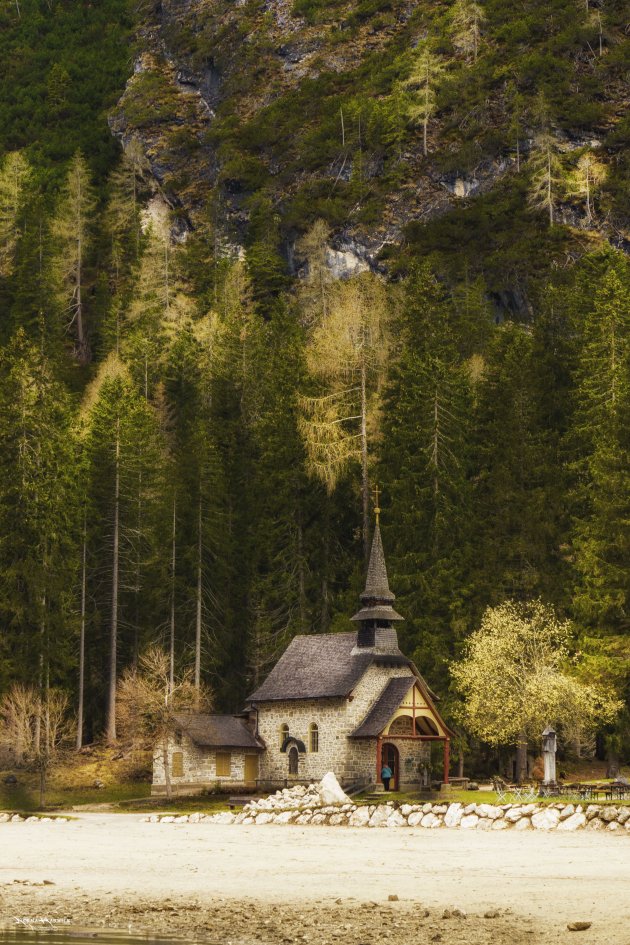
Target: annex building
x=342 y=702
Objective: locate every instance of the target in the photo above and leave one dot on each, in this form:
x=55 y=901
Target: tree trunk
x=365 y=482
x=167 y=773
x=137 y=583
x=43 y=765
x=460 y=763
x=324 y=611
x=612 y=763
x=199 y=615
x=425 y=124
x=521 y=757
x=301 y=573
x=113 y=634
x=171 y=674
x=82 y=639
x=40 y=684
x=82 y=348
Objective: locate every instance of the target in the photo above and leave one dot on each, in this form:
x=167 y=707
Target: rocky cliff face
x=305 y=105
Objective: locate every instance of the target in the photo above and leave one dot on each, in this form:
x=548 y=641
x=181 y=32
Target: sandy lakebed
x=281 y=885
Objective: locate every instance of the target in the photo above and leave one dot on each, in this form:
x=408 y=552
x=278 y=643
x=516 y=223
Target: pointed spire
x=376 y=583
x=377 y=599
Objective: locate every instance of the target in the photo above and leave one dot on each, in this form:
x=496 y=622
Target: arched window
x=313 y=737
x=284 y=732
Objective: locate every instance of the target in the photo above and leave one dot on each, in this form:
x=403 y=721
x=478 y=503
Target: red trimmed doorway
x=391 y=758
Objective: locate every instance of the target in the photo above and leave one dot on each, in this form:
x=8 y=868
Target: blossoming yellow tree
x=517 y=677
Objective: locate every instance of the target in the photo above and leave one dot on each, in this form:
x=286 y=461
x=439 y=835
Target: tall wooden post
x=379 y=758
x=447 y=758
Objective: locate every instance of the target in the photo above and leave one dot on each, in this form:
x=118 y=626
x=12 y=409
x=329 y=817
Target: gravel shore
x=287 y=885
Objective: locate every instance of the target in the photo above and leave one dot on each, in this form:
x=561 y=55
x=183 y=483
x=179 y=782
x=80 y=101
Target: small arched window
x=284 y=733
x=313 y=737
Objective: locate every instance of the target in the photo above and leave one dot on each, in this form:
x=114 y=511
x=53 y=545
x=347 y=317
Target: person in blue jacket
x=386 y=776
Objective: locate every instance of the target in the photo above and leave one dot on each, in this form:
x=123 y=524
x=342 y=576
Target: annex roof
x=218 y=731
x=324 y=666
x=384 y=707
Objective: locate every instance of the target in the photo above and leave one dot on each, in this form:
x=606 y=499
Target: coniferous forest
x=256 y=259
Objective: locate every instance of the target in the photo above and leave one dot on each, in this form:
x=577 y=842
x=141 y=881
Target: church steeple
x=377 y=599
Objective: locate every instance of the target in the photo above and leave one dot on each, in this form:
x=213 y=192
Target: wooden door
x=251 y=767
x=293 y=760
x=392 y=759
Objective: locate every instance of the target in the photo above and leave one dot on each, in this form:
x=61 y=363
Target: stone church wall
x=350 y=759
x=198 y=769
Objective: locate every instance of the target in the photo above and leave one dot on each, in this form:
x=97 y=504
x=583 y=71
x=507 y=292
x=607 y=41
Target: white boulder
x=330 y=791
x=489 y=810
x=453 y=815
x=574 y=822
x=380 y=816
x=546 y=819
x=359 y=817
x=396 y=820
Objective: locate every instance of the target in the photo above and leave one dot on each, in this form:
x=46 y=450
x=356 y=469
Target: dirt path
x=281 y=885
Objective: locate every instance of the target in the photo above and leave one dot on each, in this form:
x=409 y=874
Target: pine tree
x=425 y=465
x=126 y=187
x=547 y=174
x=72 y=231
x=346 y=355
x=284 y=507
x=422 y=84
x=467 y=22
x=586 y=180
x=37 y=516
x=602 y=423
x=516 y=521
x=15 y=174
x=125 y=464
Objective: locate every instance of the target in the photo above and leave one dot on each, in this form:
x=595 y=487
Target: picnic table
x=514 y=792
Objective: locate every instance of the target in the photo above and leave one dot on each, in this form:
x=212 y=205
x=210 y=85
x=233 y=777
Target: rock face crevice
x=211 y=65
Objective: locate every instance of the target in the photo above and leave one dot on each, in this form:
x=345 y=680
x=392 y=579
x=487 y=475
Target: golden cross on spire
x=377 y=511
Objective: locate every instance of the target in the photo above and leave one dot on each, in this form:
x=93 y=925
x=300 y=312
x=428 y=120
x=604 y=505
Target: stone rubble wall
x=301 y=805
x=6 y=818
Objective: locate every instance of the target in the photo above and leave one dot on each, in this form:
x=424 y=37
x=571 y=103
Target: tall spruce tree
x=37 y=517
x=125 y=465
x=425 y=469
x=73 y=232
x=600 y=434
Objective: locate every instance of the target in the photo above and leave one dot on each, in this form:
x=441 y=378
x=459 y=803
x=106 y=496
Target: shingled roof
x=384 y=707
x=323 y=666
x=218 y=731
